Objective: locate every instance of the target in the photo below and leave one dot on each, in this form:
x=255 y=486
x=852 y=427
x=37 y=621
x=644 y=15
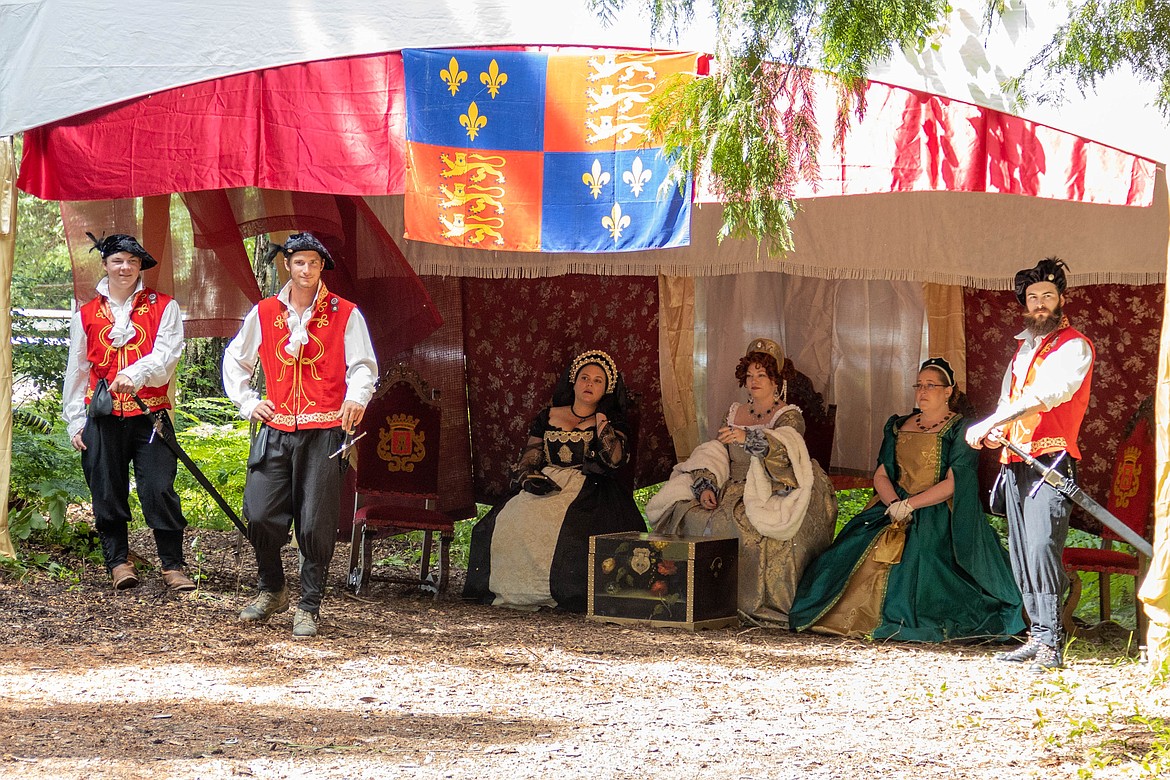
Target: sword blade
x=1073 y=492
x=349 y=441
x=196 y=472
x=1109 y=519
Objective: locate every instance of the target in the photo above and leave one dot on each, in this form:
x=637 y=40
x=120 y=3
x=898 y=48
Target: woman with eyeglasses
x=921 y=562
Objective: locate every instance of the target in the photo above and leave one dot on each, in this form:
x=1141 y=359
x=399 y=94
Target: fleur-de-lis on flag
x=473 y=121
x=493 y=79
x=452 y=76
x=637 y=176
x=595 y=179
x=616 y=222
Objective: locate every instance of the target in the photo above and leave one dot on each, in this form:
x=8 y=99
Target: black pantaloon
x=112 y=444
x=292 y=483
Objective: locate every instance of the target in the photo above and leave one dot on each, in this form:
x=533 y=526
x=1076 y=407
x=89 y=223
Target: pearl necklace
x=925 y=428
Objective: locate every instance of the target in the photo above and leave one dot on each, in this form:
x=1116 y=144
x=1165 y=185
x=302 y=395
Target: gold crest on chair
x=396 y=485
x=400 y=445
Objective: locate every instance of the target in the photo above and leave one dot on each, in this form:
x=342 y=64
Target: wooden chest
x=689 y=582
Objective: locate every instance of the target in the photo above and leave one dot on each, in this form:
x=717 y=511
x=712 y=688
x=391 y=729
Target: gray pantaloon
x=1037 y=531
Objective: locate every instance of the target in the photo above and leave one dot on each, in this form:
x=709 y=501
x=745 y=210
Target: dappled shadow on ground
x=148 y=683
x=164 y=730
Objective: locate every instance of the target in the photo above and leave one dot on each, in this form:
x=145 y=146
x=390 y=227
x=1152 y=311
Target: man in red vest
x=1042 y=403
x=126 y=340
x=319 y=373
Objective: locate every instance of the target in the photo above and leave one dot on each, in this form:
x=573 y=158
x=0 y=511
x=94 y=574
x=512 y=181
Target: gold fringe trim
x=560 y=267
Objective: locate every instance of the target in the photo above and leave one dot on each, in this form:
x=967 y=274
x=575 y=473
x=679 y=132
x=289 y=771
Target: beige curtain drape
x=861 y=351
x=945 y=333
x=676 y=355
x=7 y=250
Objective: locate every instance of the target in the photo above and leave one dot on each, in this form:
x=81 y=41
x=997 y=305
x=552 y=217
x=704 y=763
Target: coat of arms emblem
x=1129 y=471
x=399 y=444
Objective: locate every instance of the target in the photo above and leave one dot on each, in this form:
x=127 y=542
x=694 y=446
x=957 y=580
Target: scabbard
x=196 y=472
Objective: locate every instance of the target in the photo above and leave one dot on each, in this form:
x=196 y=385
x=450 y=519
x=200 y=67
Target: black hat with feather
x=120 y=242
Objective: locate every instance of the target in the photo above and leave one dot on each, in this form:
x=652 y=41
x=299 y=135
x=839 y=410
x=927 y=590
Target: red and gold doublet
x=106 y=360
x=1057 y=429
x=308 y=389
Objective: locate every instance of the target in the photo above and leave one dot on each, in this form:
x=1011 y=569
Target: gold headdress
x=598 y=358
x=768 y=347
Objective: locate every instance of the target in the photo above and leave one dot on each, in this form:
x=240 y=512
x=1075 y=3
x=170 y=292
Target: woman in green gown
x=920 y=562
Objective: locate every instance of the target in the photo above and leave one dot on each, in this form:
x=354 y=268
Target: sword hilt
x=155 y=422
x=1049 y=475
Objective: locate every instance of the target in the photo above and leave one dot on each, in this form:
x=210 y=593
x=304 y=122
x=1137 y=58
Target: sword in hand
x=348 y=443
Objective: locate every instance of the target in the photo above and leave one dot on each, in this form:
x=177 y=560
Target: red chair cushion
x=397 y=516
x=1106 y=561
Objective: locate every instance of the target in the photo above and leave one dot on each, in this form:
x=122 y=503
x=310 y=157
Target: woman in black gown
x=533 y=550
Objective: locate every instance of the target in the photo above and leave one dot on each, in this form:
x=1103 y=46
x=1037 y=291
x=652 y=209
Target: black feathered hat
x=307 y=242
x=120 y=242
x=1050 y=269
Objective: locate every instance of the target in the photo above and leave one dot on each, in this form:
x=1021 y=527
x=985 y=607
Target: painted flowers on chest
x=642 y=569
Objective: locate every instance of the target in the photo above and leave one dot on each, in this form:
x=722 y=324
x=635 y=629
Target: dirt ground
x=148 y=684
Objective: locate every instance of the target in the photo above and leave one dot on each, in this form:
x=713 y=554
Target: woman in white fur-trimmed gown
x=755 y=481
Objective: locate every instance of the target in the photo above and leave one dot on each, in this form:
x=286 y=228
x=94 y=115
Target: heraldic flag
x=539 y=152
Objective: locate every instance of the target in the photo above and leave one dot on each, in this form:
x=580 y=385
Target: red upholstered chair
x=397 y=479
x=1131 y=500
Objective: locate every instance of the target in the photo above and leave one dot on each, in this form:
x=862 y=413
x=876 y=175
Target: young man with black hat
x=319 y=372
x=1042 y=403
x=125 y=341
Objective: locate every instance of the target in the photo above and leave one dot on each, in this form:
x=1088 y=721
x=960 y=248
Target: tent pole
x=7 y=250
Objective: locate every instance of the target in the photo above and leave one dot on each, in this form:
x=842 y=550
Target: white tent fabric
x=971 y=60
x=57 y=57
x=7 y=248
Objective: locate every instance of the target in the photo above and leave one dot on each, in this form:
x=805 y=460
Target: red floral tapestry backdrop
x=1122 y=321
x=520 y=335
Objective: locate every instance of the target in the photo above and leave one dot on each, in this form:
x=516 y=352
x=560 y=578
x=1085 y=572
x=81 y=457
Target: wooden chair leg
x=425 y=566
x=1106 y=608
x=444 y=561
x=1070 y=606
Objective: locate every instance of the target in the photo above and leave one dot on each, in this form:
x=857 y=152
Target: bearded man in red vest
x=126 y=340
x=1042 y=403
x=319 y=373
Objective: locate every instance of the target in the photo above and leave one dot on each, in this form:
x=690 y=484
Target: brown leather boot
x=176 y=580
x=124 y=576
